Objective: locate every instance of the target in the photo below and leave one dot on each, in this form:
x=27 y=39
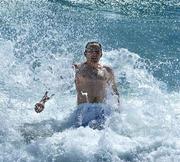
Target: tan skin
x=91 y=80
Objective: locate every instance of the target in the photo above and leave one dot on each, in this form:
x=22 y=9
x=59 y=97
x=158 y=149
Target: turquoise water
x=39 y=42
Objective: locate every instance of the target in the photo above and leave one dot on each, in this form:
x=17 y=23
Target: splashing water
x=39 y=42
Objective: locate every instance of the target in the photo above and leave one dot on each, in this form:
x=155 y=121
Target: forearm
x=118 y=97
x=115 y=90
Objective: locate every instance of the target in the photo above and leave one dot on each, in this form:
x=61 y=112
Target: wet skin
x=92 y=79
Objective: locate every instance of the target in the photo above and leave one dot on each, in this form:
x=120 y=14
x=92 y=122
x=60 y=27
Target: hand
x=39 y=107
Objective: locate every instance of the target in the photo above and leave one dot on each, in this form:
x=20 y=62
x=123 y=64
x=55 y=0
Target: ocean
x=39 y=42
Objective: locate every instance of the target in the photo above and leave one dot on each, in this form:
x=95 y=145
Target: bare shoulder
x=76 y=66
x=79 y=68
x=109 y=69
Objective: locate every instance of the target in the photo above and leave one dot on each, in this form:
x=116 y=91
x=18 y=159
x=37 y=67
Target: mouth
x=94 y=59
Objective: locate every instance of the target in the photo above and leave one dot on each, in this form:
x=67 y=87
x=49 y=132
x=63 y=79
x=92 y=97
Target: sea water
x=39 y=42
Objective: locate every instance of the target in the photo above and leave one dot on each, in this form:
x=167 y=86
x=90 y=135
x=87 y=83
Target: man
x=92 y=81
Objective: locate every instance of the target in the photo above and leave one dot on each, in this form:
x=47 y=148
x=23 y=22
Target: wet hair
x=89 y=44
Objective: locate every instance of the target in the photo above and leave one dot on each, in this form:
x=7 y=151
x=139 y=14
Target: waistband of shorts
x=103 y=105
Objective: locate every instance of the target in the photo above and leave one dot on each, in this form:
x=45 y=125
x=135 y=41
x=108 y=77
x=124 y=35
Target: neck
x=93 y=64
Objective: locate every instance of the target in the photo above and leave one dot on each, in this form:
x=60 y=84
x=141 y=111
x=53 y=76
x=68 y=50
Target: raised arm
x=39 y=107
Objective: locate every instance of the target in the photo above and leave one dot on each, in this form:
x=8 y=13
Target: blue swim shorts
x=93 y=115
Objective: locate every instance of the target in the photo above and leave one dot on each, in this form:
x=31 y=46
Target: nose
x=95 y=53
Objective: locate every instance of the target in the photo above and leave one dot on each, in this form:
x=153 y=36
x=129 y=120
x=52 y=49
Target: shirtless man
x=92 y=80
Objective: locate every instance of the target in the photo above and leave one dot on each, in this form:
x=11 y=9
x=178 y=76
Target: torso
x=92 y=81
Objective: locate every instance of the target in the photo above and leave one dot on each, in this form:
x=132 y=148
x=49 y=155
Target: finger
x=52 y=95
x=46 y=93
x=36 y=109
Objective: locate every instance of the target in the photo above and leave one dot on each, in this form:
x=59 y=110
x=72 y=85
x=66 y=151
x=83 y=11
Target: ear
x=85 y=53
x=101 y=54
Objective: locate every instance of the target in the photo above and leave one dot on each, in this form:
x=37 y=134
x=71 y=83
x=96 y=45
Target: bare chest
x=93 y=75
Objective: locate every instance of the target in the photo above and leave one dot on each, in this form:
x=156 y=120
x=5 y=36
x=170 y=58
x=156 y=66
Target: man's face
x=93 y=54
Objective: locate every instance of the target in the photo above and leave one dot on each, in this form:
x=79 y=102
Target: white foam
x=147 y=129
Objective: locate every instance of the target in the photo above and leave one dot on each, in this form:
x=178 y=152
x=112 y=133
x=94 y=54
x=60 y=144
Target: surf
x=39 y=42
